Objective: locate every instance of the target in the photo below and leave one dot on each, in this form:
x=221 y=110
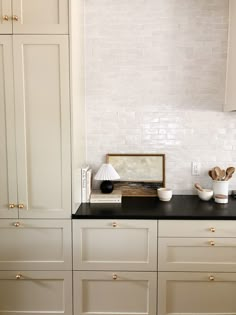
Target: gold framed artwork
x=140 y=174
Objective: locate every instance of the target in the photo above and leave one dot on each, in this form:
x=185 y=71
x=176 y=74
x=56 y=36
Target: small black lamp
x=106 y=173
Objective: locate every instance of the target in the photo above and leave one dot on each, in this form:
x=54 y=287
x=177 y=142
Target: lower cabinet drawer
x=35 y=245
x=109 y=293
x=196 y=293
x=197 y=254
x=128 y=245
x=36 y=292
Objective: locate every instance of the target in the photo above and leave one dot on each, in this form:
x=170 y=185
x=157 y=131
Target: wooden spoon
x=213 y=174
x=222 y=175
x=217 y=172
x=210 y=173
x=229 y=172
x=198 y=187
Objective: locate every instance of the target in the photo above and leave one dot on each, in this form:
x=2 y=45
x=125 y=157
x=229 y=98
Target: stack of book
x=98 y=197
x=86 y=183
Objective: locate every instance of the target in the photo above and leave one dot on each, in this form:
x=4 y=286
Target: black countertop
x=181 y=207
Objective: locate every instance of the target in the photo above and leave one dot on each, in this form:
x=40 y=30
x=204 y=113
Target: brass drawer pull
x=211 y=278
x=114 y=276
x=212 y=243
x=19 y=276
x=16 y=224
x=5 y=18
x=11 y=205
x=21 y=206
x=15 y=18
x=114 y=224
x=212 y=229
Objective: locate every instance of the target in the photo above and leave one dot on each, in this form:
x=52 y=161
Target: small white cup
x=164 y=194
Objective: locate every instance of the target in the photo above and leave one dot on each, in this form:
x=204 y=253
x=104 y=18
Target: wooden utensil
x=210 y=173
x=222 y=175
x=198 y=187
x=229 y=172
x=213 y=174
x=217 y=172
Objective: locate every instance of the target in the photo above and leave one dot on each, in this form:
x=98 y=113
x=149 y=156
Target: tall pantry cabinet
x=38 y=117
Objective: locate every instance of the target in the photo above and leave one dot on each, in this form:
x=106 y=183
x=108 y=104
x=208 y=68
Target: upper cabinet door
x=5 y=17
x=40 y=16
x=42 y=125
x=8 y=188
x=230 y=94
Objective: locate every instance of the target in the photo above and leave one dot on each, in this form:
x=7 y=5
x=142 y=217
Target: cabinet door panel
x=5 y=10
x=195 y=294
x=8 y=188
x=43 y=125
x=118 y=244
x=40 y=16
x=197 y=254
x=36 y=292
x=35 y=245
x=131 y=293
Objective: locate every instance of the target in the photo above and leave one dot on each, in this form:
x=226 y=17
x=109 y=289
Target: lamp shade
x=106 y=172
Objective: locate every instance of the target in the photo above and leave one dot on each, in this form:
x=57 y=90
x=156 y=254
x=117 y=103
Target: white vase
x=220 y=187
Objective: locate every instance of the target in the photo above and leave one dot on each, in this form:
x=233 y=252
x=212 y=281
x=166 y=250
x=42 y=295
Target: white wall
x=155 y=83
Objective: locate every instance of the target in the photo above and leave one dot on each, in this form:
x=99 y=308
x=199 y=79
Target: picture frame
x=140 y=174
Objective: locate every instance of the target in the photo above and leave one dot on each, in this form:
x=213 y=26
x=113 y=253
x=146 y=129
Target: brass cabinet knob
x=21 y=206
x=18 y=276
x=211 y=278
x=212 y=243
x=212 y=229
x=15 y=18
x=114 y=224
x=16 y=224
x=11 y=205
x=114 y=276
x=5 y=17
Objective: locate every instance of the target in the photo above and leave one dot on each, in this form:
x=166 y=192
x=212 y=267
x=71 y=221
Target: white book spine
x=84 y=184
x=88 y=184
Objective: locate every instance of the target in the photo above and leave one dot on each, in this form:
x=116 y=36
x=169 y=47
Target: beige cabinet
x=201 y=254
x=115 y=244
x=8 y=178
x=230 y=91
x=35 y=245
x=99 y=292
x=196 y=267
x=42 y=127
x=196 y=293
x=36 y=292
x=34 y=17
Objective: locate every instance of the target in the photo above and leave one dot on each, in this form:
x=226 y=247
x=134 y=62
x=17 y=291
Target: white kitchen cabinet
x=42 y=125
x=114 y=292
x=35 y=245
x=36 y=292
x=115 y=244
x=196 y=293
x=34 y=17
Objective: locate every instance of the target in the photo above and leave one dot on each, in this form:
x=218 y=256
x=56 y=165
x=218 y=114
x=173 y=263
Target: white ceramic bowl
x=205 y=195
x=164 y=194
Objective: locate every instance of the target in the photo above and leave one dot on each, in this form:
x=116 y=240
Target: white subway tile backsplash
x=155 y=83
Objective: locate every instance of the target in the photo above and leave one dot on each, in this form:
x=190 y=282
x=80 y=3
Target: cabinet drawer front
x=36 y=292
x=197 y=228
x=197 y=254
x=35 y=245
x=194 y=293
x=131 y=293
x=115 y=244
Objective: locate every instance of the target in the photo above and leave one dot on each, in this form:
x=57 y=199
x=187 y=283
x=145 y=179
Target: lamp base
x=106 y=187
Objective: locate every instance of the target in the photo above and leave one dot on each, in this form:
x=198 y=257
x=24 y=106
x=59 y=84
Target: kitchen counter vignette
x=181 y=207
